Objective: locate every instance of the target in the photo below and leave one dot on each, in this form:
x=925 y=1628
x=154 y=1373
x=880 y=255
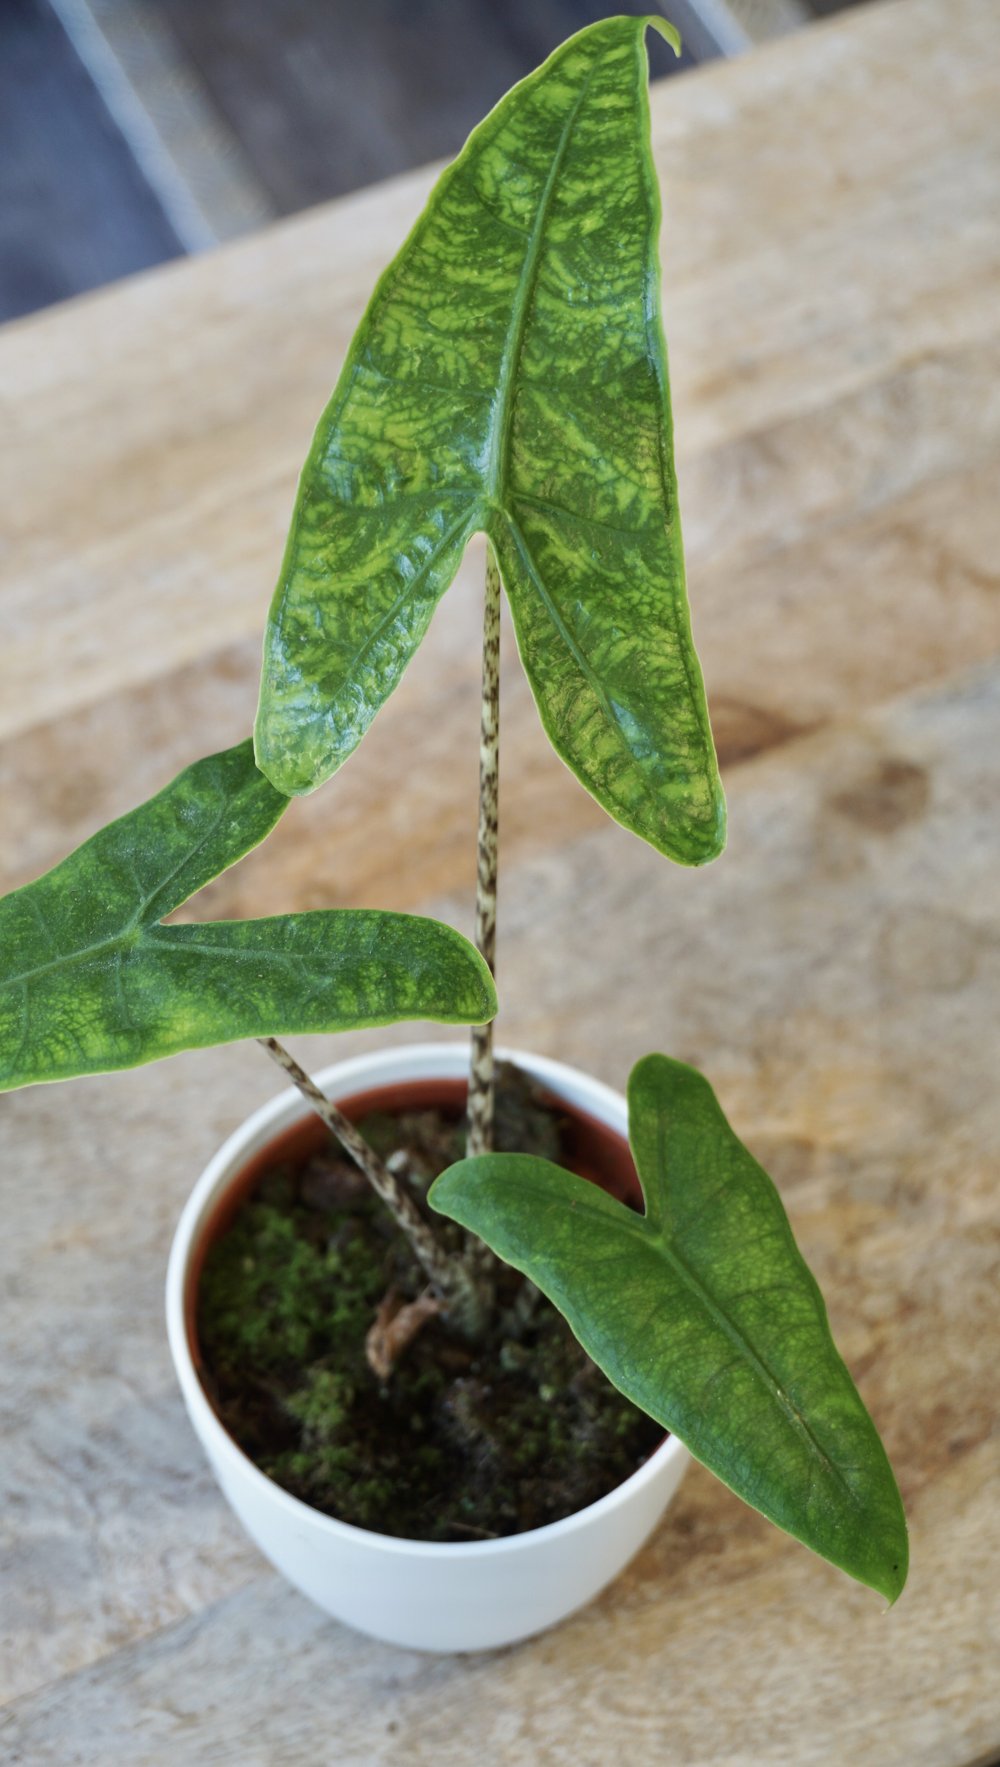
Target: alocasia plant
x=508 y=377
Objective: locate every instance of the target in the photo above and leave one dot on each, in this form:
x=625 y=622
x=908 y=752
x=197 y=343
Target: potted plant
x=509 y=376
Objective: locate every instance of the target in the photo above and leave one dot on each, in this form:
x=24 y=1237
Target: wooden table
x=832 y=252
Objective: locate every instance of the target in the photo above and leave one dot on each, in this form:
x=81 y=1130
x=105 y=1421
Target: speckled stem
x=481 y=1069
x=449 y=1275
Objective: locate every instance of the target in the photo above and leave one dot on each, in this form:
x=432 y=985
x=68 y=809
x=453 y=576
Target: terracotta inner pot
x=595 y=1152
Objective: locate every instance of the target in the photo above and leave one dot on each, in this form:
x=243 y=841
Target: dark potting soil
x=459 y=1443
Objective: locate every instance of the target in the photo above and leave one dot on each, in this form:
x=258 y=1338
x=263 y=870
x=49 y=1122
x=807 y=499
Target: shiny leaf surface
x=510 y=376
x=704 y=1313
x=91 y=980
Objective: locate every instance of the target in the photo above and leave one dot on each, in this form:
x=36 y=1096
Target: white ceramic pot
x=426 y=1596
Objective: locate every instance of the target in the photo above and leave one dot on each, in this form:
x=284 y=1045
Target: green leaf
x=510 y=375
x=704 y=1313
x=91 y=980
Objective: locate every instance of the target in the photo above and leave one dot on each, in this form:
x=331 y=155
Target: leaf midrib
x=496 y=470
x=720 y=1318
x=140 y=920
x=655 y=1223
x=649 y=1230
x=521 y=542
x=117 y=942
x=466 y=517
x=151 y=939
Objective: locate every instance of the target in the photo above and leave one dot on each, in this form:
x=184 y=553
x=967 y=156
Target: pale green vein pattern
x=703 y=1312
x=510 y=375
x=90 y=980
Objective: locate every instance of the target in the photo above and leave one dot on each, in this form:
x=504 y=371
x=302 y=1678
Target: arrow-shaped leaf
x=91 y=980
x=704 y=1313
x=510 y=375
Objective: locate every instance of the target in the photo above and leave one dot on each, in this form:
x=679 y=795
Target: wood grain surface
x=832 y=259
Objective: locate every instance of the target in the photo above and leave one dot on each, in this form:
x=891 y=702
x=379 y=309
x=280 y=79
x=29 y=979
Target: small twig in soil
x=396 y=1325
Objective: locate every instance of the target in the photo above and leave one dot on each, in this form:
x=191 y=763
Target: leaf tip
x=716 y=840
x=450 y=1189
x=896 y=1567
x=664 y=1075
x=691 y=837
x=479 y=1002
x=706 y=839
x=666 y=29
x=273 y=760
x=489 y=1004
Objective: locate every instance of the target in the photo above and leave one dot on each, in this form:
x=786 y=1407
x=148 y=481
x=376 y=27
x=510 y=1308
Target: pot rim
x=418 y=1061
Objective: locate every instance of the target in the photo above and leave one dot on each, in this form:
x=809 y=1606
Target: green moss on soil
x=460 y=1444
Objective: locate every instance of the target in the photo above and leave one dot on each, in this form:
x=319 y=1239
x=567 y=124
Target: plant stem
x=481 y=1076
x=450 y=1274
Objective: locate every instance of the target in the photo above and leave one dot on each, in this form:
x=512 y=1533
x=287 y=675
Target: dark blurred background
x=133 y=131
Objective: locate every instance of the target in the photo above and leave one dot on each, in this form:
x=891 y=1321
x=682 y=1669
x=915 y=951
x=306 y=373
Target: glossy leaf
x=510 y=375
x=704 y=1313
x=91 y=980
